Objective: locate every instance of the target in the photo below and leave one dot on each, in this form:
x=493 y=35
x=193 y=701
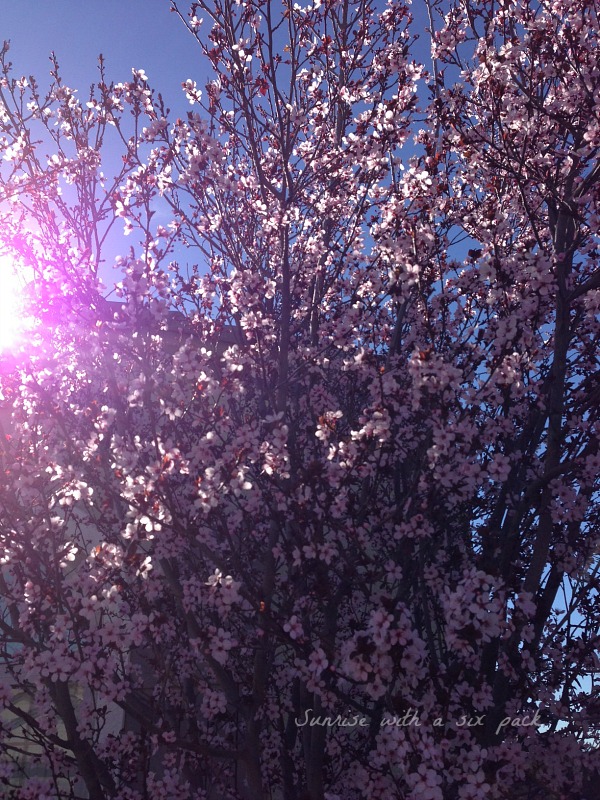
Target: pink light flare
x=12 y=314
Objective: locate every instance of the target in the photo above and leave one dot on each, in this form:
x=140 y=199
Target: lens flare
x=11 y=304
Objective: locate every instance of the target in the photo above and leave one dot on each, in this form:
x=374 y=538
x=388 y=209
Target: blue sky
x=143 y=34
x=129 y=33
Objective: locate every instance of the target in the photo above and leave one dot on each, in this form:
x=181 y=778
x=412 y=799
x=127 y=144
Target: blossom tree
x=313 y=516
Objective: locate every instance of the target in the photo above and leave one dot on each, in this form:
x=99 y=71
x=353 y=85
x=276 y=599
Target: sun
x=11 y=304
